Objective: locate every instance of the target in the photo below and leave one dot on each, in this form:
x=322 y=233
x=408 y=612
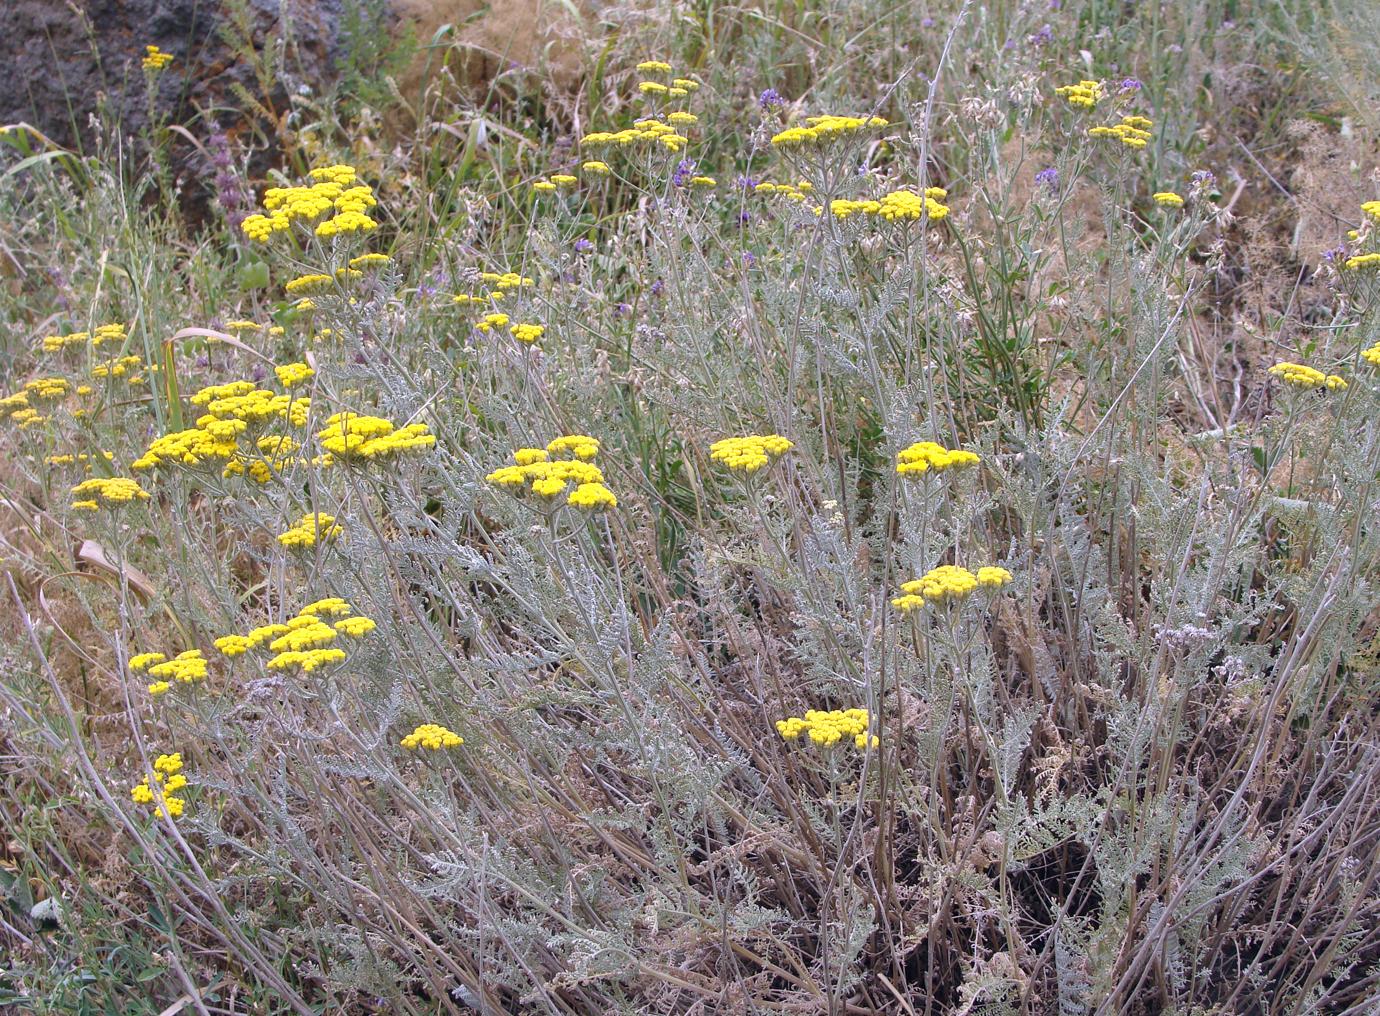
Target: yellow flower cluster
x=490 y=322
x=1364 y=260
x=1302 y=376
x=355 y=437
x=899 y=204
x=948 y=583
x=556 y=180
x=107 y=492
x=168 y=779
x=1371 y=208
x=1168 y=199
x=1372 y=355
x=751 y=453
x=433 y=737
x=527 y=333
x=819 y=129
x=315 y=283
x=550 y=472
x=829 y=727
x=794 y=191
x=184 y=668
x=311 y=529
x=924 y=456
x=81 y=457
x=649 y=130
x=370 y=260
x=116 y=367
x=678 y=88
x=231 y=410
x=47 y=389
x=101 y=335
x=1084 y=94
x=335 y=190
x=155 y=59
x=502 y=283
x=293 y=375
x=305 y=641
x=1133 y=131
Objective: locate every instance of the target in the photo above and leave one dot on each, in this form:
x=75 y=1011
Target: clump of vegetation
x=740 y=539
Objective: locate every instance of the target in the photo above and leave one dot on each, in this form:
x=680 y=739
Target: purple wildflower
x=1044 y=35
x=583 y=246
x=770 y=99
x=927 y=22
x=684 y=171
x=1131 y=85
x=749 y=259
x=1049 y=177
x=230 y=193
x=658 y=287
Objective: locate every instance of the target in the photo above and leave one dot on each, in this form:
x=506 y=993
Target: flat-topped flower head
x=993 y=577
x=334 y=204
x=1371 y=260
x=185 y=668
x=946 y=582
x=592 y=497
x=750 y=453
x=1168 y=199
x=1082 y=94
x=1372 y=355
x=293 y=375
x=168 y=779
x=155 y=59
x=140 y=662
x=1298 y=375
x=359 y=437
x=107 y=492
x=1132 y=131
x=828 y=727
x=432 y=737
x=310 y=529
x=826 y=127
x=562 y=469
x=924 y=456
x=528 y=333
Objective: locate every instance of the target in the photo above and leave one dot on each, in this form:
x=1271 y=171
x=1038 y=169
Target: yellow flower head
x=751 y=453
x=1168 y=199
x=924 y=456
x=107 y=492
x=1299 y=375
x=826 y=728
x=432 y=737
x=1082 y=95
x=947 y=582
x=527 y=333
x=155 y=59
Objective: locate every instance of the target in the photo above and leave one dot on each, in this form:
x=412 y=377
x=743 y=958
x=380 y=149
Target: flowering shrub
x=471 y=513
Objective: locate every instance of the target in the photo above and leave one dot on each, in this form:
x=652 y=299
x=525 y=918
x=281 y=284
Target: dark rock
x=60 y=61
